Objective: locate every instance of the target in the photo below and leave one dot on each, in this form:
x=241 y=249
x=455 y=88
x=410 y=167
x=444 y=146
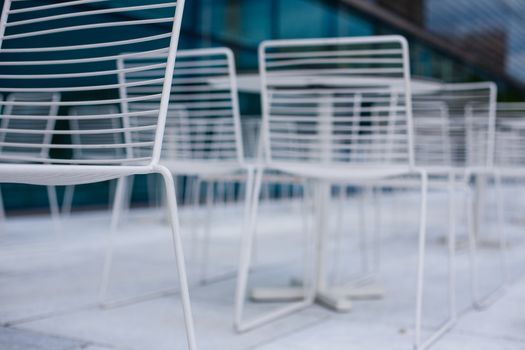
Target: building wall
x=243 y=24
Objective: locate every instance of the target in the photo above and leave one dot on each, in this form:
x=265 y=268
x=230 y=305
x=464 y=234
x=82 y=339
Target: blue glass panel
x=352 y=25
x=303 y=19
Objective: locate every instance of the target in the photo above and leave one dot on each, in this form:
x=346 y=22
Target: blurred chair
x=78 y=61
x=460 y=147
x=328 y=88
x=14 y=124
x=453 y=133
x=509 y=158
x=509 y=165
x=453 y=139
x=203 y=132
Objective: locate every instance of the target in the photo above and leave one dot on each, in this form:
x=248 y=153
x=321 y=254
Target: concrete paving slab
x=51 y=289
x=18 y=339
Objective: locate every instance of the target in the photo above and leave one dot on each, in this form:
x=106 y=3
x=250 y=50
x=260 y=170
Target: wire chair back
x=70 y=47
x=203 y=122
x=431 y=133
x=344 y=101
x=454 y=125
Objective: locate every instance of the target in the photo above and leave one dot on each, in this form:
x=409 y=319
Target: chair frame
x=182 y=168
x=256 y=176
x=70 y=173
x=459 y=178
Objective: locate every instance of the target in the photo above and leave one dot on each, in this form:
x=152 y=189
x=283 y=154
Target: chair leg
x=179 y=256
x=55 y=211
x=246 y=248
x=452 y=220
x=338 y=239
x=120 y=197
x=421 y=261
x=306 y=226
x=480 y=301
x=2 y=212
x=126 y=207
x=118 y=203
x=67 y=202
x=112 y=192
x=451 y=293
x=195 y=220
x=502 y=232
x=378 y=231
x=241 y=325
x=205 y=245
x=362 y=230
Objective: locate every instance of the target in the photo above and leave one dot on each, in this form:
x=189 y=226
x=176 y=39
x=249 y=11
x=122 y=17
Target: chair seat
x=511 y=171
x=64 y=175
x=336 y=172
x=444 y=170
x=203 y=168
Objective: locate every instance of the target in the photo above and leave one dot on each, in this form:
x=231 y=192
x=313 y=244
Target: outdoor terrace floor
x=49 y=284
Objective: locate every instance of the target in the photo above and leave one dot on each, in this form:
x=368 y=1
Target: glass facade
x=243 y=24
x=486 y=34
x=491 y=31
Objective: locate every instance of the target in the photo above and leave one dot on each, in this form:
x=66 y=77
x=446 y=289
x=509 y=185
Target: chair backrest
x=510 y=135
x=203 y=118
x=461 y=116
x=432 y=140
x=344 y=101
x=14 y=125
x=70 y=47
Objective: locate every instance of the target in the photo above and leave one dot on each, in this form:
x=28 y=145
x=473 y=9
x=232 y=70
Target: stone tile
x=456 y=340
x=335 y=335
x=18 y=339
x=504 y=320
x=54 y=292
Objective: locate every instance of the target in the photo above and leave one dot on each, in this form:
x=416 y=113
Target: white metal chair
x=453 y=125
x=453 y=132
x=43 y=51
x=509 y=157
x=328 y=88
x=431 y=147
x=203 y=132
x=14 y=108
x=470 y=110
x=509 y=164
